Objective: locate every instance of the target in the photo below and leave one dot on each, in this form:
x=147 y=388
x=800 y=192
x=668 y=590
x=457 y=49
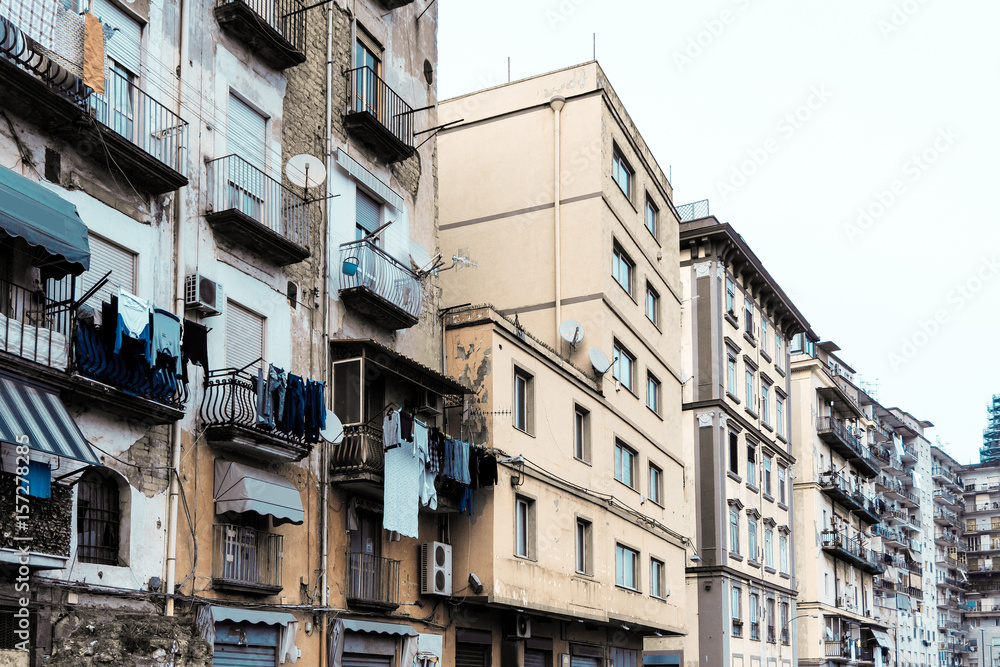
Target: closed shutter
x=244 y=336
x=472 y=655
x=245 y=132
x=582 y=661
x=230 y=655
x=106 y=256
x=359 y=660
x=369 y=212
x=536 y=658
x=124 y=45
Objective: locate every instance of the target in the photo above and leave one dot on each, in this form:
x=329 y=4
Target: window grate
x=98 y=521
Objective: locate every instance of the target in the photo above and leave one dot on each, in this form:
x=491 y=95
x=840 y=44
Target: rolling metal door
x=244 y=336
x=472 y=655
x=582 y=661
x=229 y=655
x=124 y=45
x=358 y=660
x=536 y=658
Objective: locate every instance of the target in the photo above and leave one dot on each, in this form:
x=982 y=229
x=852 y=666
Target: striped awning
x=39 y=414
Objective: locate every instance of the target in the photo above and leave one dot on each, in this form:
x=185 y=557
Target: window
x=367 y=55
x=584 y=545
x=784 y=624
x=754 y=623
x=751 y=465
x=734 y=530
x=765 y=402
x=622 y=268
x=652 y=305
x=748 y=315
x=782 y=472
x=783 y=552
x=652 y=393
x=107 y=256
x=769 y=547
x=767 y=475
x=523 y=401
x=734 y=453
x=620 y=657
x=749 y=388
x=524 y=528
x=730 y=296
x=655 y=484
x=779 y=353
x=736 y=611
x=731 y=375
x=368 y=217
x=765 y=345
x=771 y=638
x=624 y=464
x=779 y=415
x=626 y=567
x=622 y=173
x=652 y=215
x=623 y=368
x=656 y=568
x=581 y=433
x=98 y=521
x=752 y=538
x=244 y=336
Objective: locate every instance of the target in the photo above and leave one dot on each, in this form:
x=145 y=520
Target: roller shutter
x=358 y=660
x=245 y=132
x=472 y=655
x=369 y=212
x=106 y=256
x=244 y=336
x=583 y=661
x=537 y=658
x=229 y=655
x=124 y=45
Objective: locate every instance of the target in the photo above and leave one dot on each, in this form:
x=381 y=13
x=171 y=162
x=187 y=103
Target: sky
x=853 y=144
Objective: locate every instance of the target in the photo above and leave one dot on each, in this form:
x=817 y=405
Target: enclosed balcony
x=835 y=433
x=34 y=327
x=378 y=286
x=372 y=581
x=251 y=210
x=247 y=560
x=47 y=533
x=851 y=551
x=273 y=30
x=377 y=116
x=125 y=129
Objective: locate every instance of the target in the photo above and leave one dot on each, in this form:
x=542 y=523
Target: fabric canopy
x=340 y=627
x=49 y=224
x=379 y=628
x=241 y=488
x=237 y=615
x=39 y=414
x=882 y=638
x=209 y=615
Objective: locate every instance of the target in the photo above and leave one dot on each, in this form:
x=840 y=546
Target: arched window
x=98 y=523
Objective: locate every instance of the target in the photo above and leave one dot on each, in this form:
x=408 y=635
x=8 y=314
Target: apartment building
x=981 y=524
x=547 y=186
x=736 y=325
x=950 y=558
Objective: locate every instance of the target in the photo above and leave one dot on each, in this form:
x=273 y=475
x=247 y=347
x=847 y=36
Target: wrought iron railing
x=365 y=265
x=283 y=16
x=129 y=112
x=842 y=432
x=33 y=326
x=237 y=185
x=21 y=49
x=836 y=539
x=359 y=452
x=368 y=93
x=247 y=557
x=372 y=579
x=230 y=399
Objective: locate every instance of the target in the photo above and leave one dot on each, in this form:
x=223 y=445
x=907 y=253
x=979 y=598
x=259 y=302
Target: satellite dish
x=571 y=332
x=305 y=171
x=334 y=430
x=599 y=360
x=419 y=255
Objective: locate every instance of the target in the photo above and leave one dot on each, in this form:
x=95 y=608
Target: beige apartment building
x=981 y=524
x=950 y=559
x=736 y=324
x=547 y=186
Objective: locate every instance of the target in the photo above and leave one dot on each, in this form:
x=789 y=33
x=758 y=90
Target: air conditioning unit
x=517 y=626
x=203 y=295
x=430 y=403
x=435 y=568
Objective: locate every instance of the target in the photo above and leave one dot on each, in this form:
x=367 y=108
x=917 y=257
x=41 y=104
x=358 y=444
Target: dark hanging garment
x=294 y=420
x=194 y=346
x=434 y=448
x=406 y=426
x=488 y=470
x=474 y=453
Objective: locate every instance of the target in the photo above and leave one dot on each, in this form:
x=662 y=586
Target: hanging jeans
x=315 y=410
x=294 y=421
x=270 y=396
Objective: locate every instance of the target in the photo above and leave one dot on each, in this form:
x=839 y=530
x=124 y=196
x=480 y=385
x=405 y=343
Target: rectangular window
x=769 y=547
x=767 y=475
x=765 y=344
x=769 y=609
x=751 y=465
x=581 y=434
x=652 y=216
x=524 y=530
x=735 y=605
x=623 y=368
x=730 y=296
x=368 y=216
x=652 y=305
x=622 y=268
x=244 y=337
x=752 y=538
x=779 y=353
x=655 y=484
x=765 y=402
x=783 y=552
x=652 y=393
x=779 y=415
x=622 y=173
x=749 y=389
x=584 y=545
x=656 y=569
x=782 y=472
x=626 y=567
x=624 y=464
x=731 y=375
x=523 y=401
x=734 y=530
x=785 y=638
x=754 y=623
x=368 y=60
x=734 y=453
x=748 y=315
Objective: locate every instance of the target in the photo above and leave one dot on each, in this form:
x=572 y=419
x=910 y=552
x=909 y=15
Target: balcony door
x=365 y=558
x=117 y=107
x=245 y=142
x=368 y=60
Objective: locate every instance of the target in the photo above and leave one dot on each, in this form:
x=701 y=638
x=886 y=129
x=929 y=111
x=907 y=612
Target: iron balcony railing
x=368 y=93
x=35 y=327
x=843 y=433
x=230 y=399
x=284 y=16
x=247 y=557
x=366 y=266
x=129 y=112
x=833 y=539
x=755 y=630
x=785 y=637
x=372 y=580
x=359 y=452
x=237 y=185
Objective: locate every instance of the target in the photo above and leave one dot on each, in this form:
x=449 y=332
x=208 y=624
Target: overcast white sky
x=890 y=106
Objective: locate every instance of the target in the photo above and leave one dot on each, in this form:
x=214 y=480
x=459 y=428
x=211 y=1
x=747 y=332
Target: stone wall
x=48 y=522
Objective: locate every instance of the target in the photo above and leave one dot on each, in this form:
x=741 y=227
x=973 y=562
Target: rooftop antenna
x=595 y=46
x=571 y=332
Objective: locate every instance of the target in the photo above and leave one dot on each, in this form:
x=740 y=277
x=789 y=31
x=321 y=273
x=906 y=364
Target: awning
x=374 y=352
x=379 y=628
x=39 y=414
x=45 y=221
x=242 y=488
x=209 y=615
x=882 y=638
x=237 y=615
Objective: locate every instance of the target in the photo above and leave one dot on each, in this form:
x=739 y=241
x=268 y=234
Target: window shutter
x=106 y=256
x=536 y=658
x=245 y=132
x=369 y=212
x=124 y=45
x=244 y=336
x=472 y=655
x=366 y=660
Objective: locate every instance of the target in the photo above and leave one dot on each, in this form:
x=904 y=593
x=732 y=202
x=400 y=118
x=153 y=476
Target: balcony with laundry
x=273 y=30
x=378 y=116
x=251 y=210
x=52 y=69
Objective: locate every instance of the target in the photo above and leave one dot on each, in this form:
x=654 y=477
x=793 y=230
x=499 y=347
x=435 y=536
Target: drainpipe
x=179 y=265
x=557 y=104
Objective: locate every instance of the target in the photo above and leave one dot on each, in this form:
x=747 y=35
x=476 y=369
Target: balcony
x=942 y=474
x=247 y=560
x=33 y=327
x=944 y=517
x=125 y=129
x=372 y=582
x=358 y=462
x=837 y=650
x=274 y=30
x=378 y=286
x=229 y=415
x=836 y=434
x=851 y=551
x=836 y=486
x=395 y=4
x=50 y=527
x=251 y=210
x=377 y=116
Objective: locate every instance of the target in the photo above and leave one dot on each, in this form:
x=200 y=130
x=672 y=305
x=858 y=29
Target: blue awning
x=377 y=628
x=237 y=615
x=39 y=414
x=47 y=223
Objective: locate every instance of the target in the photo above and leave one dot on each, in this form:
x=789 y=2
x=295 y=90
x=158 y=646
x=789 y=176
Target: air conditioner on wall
x=517 y=626
x=202 y=294
x=435 y=568
x=429 y=403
